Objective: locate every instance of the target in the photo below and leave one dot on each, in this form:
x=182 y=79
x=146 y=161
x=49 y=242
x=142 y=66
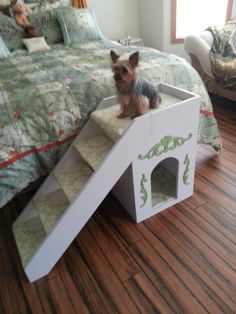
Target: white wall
x=116 y=17
x=234 y=10
x=151 y=23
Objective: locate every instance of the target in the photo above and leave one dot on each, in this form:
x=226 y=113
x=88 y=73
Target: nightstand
x=132 y=41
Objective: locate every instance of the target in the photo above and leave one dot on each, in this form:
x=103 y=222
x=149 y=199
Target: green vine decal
x=186 y=171
x=143 y=191
x=167 y=143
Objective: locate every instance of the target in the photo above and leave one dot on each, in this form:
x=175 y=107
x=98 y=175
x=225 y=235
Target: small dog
x=135 y=95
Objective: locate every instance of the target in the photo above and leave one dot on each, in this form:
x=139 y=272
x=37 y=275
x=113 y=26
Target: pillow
x=221 y=43
x=47 y=26
x=44 y=6
x=35 y=44
x=232 y=40
x=5 y=9
x=4 y=52
x=11 y=33
x=78 y=25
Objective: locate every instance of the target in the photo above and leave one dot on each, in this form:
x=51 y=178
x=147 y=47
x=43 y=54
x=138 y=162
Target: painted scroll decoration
x=186 y=171
x=166 y=144
x=143 y=191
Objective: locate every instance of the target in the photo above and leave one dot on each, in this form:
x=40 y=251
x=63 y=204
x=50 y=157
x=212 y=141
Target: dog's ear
x=13 y=2
x=133 y=59
x=114 y=56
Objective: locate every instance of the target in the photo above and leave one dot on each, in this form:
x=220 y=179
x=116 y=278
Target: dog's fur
x=135 y=95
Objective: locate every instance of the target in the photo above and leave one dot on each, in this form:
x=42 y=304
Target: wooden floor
x=180 y=261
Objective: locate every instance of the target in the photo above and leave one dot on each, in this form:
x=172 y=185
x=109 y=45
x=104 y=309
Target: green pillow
x=5 y=9
x=78 y=25
x=47 y=26
x=11 y=33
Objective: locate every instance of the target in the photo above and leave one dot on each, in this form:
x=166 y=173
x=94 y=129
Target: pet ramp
x=104 y=156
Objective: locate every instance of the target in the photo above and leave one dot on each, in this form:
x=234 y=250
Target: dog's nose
x=117 y=77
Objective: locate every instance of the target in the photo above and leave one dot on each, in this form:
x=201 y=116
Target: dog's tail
x=158 y=95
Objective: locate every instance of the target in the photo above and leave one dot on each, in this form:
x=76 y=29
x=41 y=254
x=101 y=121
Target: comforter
x=46 y=97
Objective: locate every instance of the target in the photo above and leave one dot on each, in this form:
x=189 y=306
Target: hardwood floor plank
x=215 y=293
x=169 y=286
x=71 y=287
x=218 y=181
x=218 y=217
x=146 y=297
x=116 y=253
x=201 y=254
x=216 y=197
x=194 y=201
x=32 y=296
x=224 y=248
x=228 y=129
x=222 y=168
x=185 y=276
x=199 y=183
x=45 y=298
x=60 y=297
x=124 y=224
x=226 y=114
x=109 y=282
x=81 y=278
x=12 y=299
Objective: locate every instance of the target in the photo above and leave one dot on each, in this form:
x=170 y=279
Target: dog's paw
x=121 y=116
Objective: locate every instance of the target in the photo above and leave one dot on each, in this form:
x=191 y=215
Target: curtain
x=79 y=3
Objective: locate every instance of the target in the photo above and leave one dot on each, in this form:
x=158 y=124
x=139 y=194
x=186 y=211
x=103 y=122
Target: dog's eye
x=124 y=70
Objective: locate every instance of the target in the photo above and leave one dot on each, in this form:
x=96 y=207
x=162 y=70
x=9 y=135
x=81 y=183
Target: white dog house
x=147 y=162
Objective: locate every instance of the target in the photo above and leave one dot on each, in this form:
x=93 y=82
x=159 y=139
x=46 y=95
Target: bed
x=47 y=96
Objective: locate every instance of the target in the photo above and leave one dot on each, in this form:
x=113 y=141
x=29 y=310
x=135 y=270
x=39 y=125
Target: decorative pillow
x=35 y=44
x=232 y=40
x=44 y=6
x=78 y=25
x=221 y=43
x=4 y=52
x=47 y=26
x=5 y=9
x=11 y=33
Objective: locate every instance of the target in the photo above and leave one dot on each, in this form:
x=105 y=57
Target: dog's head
x=124 y=70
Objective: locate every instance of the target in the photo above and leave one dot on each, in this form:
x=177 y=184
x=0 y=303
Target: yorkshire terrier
x=135 y=95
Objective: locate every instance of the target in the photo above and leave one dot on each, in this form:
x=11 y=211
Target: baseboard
x=223 y=102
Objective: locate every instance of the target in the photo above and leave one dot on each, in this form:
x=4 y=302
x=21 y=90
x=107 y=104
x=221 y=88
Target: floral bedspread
x=46 y=97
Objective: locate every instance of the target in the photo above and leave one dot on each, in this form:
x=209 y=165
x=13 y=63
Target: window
x=193 y=16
